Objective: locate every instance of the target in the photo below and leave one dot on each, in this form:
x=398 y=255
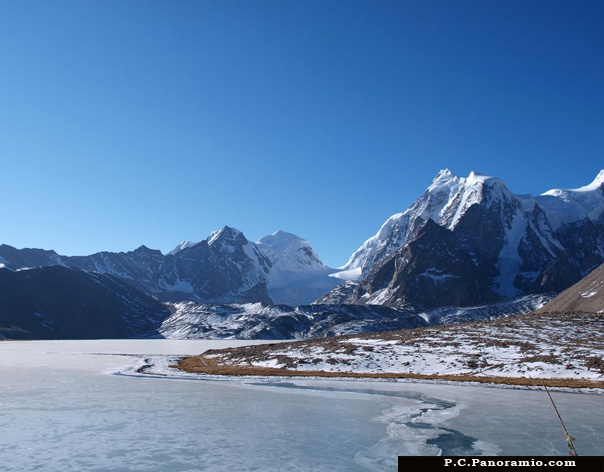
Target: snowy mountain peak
x=443 y=176
x=297 y=275
x=280 y=238
x=445 y=202
x=476 y=178
x=473 y=238
x=181 y=246
x=435 y=202
x=444 y=181
x=223 y=235
x=476 y=188
x=288 y=251
x=567 y=206
x=596 y=184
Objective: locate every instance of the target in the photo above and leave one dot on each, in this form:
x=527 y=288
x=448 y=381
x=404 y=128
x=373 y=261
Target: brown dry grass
x=207 y=365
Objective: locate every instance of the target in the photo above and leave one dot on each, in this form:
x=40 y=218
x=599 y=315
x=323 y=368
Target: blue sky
x=150 y=122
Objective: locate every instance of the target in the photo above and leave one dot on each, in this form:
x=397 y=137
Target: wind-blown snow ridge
x=568 y=206
x=597 y=183
x=182 y=245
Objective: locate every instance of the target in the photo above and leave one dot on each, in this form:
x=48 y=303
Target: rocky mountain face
x=470 y=241
x=399 y=228
x=190 y=320
x=258 y=321
x=12 y=258
x=57 y=302
x=225 y=267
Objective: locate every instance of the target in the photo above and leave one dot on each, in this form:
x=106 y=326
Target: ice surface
x=62 y=410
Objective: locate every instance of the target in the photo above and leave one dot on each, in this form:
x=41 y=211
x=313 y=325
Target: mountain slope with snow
x=297 y=275
x=471 y=241
x=259 y=321
x=225 y=267
x=399 y=228
x=567 y=206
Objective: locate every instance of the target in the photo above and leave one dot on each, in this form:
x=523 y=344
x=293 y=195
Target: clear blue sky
x=149 y=122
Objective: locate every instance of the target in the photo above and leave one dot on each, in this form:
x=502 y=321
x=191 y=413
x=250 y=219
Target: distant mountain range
x=467 y=248
x=224 y=268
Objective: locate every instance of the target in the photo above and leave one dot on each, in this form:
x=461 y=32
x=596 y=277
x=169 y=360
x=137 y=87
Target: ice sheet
x=61 y=410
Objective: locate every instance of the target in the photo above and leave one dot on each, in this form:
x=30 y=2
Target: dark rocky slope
x=60 y=303
x=587 y=295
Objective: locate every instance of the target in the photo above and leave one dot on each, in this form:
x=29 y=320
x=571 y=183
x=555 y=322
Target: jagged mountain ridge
x=224 y=268
x=469 y=241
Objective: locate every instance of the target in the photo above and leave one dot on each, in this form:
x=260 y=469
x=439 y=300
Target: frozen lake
x=61 y=409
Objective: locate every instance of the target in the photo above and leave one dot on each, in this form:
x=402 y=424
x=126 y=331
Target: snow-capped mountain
x=237 y=269
x=297 y=275
x=445 y=202
x=225 y=267
x=568 y=206
x=397 y=230
x=182 y=245
x=471 y=240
